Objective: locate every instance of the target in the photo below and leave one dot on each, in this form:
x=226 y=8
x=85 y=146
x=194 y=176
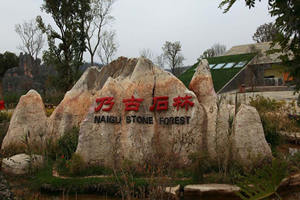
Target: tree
x=215 y=50
x=160 y=61
x=99 y=17
x=67 y=45
x=288 y=24
x=7 y=60
x=31 y=37
x=172 y=55
x=108 y=47
x=265 y=33
x=147 y=53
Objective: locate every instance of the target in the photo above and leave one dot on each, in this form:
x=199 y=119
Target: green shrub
x=271 y=132
x=264 y=182
x=67 y=144
x=61 y=165
x=5 y=116
x=201 y=164
x=76 y=165
x=263 y=104
x=11 y=99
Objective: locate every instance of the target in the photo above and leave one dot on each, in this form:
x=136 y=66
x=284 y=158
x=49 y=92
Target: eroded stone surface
x=29 y=121
x=107 y=144
x=20 y=164
x=248 y=140
x=216 y=189
x=75 y=105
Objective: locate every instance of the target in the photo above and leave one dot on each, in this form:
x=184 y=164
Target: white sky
x=147 y=24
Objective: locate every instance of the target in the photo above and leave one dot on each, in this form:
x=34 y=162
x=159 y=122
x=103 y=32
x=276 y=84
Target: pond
x=286 y=195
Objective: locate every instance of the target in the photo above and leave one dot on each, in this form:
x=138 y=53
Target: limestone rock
x=20 y=164
x=210 y=189
x=75 y=105
x=248 y=140
x=109 y=143
x=202 y=85
x=28 y=120
x=291 y=181
x=174 y=191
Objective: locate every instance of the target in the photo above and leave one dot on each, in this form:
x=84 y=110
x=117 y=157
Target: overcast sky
x=147 y=24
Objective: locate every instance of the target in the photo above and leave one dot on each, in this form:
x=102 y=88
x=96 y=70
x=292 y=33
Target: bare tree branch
x=99 y=17
x=172 y=55
x=31 y=37
x=108 y=47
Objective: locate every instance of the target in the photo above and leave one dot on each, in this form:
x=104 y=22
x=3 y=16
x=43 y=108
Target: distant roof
x=223 y=69
x=261 y=50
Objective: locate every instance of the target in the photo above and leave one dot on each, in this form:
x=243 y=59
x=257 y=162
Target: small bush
x=49 y=111
x=271 y=132
x=61 y=165
x=5 y=116
x=76 y=165
x=263 y=104
x=67 y=144
x=275 y=118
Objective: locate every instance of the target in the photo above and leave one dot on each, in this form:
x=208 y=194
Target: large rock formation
x=73 y=108
x=171 y=121
x=28 y=123
x=248 y=140
x=178 y=131
x=29 y=74
x=203 y=87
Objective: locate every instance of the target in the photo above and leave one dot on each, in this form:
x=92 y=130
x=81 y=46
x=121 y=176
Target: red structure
x=2 y=105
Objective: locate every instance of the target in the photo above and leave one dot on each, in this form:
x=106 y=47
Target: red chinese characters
x=132 y=104
x=105 y=101
x=160 y=103
x=183 y=102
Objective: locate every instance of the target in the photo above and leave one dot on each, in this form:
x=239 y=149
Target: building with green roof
x=248 y=66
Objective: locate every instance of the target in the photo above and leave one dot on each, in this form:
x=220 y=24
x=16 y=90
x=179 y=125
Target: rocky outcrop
x=21 y=164
x=131 y=109
x=203 y=86
x=217 y=113
x=248 y=140
x=5 y=193
x=74 y=107
x=210 y=189
x=28 y=123
x=176 y=131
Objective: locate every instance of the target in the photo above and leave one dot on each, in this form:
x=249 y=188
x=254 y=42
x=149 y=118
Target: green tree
x=287 y=13
x=7 y=60
x=173 y=56
x=67 y=44
x=265 y=33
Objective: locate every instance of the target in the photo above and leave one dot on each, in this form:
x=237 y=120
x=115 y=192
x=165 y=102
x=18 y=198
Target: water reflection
x=76 y=197
x=287 y=195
